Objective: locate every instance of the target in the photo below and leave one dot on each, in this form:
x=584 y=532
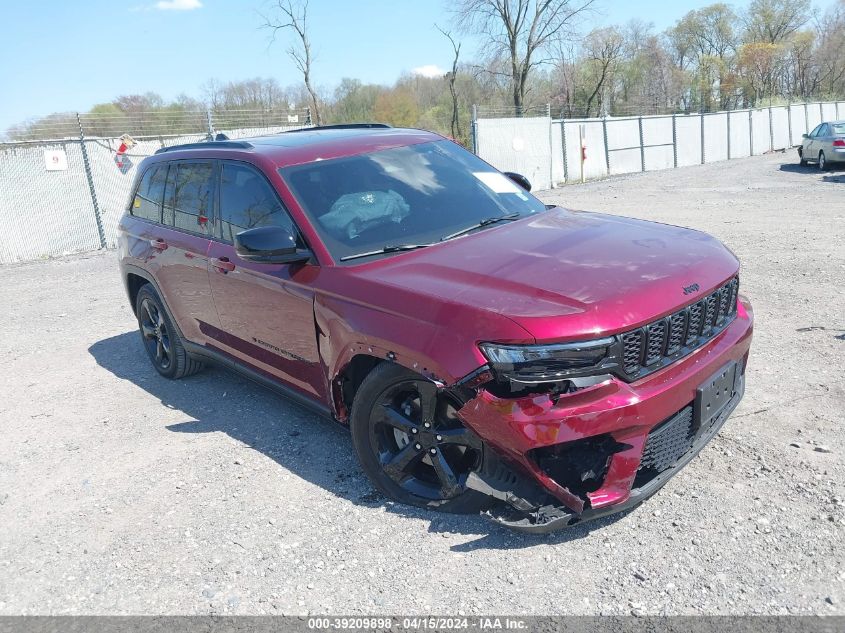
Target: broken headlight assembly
x=527 y=365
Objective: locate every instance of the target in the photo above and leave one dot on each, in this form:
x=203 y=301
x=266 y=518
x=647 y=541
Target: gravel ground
x=124 y=493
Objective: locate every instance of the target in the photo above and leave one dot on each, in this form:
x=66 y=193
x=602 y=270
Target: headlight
x=532 y=364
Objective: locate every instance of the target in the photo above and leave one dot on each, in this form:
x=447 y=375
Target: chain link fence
x=66 y=194
x=552 y=151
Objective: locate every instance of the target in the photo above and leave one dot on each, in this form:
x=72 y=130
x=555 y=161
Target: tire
x=801 y=158
x=822 y=162
x=406 y=460
x=160 y=338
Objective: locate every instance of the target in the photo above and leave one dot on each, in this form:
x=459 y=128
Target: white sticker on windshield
x=497 y=182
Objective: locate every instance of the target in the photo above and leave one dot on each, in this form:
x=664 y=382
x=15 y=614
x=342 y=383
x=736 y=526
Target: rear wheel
x=822 y=162
x=411 y=443
x=160 y=338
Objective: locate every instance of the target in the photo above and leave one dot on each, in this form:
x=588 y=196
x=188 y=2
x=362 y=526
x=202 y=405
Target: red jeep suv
x=488 y=352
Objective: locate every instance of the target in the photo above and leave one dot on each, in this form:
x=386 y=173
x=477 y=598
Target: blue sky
x=67 y=55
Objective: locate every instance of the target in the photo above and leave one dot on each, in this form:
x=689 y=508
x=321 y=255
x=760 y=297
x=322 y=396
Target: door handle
x=159 y=244
x=222 y=264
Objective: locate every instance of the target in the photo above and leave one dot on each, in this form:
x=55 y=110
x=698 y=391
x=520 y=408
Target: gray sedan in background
x=824 y=145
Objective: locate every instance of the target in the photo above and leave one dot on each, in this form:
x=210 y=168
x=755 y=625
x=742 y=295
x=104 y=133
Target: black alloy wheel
x=411 y=442
x=161 y=339
x=155 y=334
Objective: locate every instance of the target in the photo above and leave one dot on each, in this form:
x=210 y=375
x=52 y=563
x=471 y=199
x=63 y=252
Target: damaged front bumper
x=564 y=459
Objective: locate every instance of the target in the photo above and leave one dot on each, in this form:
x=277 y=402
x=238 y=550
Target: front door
x=266 y=311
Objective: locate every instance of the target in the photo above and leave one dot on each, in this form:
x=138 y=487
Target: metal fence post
x=789 y=122
x=729 y=133
x=90 y=176
x=210 y=124
x=750 y=133
x=806 y=120
x=702 y=138
x=821 y=112
x=551 y=147
x=642 y=146
x=674 y=140
x=474 y=129
x=606 y=148
x=563 y=149
x=771 y=132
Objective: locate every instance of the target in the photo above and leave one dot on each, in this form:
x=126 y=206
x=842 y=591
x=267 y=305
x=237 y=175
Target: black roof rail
x=208 y=145
x=340 y=126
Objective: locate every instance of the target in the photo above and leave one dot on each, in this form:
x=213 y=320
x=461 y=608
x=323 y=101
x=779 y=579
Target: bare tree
x=774 y=21
x=451 y=77
x=293 y=15
x=521 y=31
x=604 y=52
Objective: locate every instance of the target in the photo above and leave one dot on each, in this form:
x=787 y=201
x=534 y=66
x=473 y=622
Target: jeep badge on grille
x=688 y=290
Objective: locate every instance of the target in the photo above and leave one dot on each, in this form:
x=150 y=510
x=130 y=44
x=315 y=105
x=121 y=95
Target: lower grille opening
x=579 y=466
x=666 y=444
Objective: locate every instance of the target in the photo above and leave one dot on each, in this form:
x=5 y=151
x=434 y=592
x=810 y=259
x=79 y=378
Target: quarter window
x=248 y=201
x=189 y=197
x=147 y=201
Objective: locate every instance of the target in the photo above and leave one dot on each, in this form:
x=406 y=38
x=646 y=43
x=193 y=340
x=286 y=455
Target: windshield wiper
x=480 y=224
x=394 y=248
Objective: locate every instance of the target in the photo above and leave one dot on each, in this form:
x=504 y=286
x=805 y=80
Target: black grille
x=668 y=442
x=656 y=333
x=657 y=344
x=632 y=343
x=694 y=329
x=677 y=322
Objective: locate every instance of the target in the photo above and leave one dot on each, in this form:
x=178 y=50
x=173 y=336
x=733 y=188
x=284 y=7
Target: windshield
x=405 y=196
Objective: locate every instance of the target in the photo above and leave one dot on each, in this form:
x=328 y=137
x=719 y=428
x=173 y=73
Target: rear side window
x=189 y=196
x=148 y=198
x=248 y=201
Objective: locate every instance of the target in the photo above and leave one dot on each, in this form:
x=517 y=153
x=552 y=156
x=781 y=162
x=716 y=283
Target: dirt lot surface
x=122 y=492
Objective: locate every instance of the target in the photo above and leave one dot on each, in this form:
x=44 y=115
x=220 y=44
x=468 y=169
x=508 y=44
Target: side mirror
x=519 y=179
x=805 y=136
x=269 y=245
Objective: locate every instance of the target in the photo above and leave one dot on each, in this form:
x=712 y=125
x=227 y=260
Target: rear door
x=183 y=243
x=266 y=311
x=811 y=150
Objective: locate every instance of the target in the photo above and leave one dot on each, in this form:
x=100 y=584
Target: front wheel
x=801 y=159
x=412 y=445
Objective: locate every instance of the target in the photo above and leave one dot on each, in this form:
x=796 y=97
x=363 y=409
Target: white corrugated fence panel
x=518 y=144
x=715 y=137
x=689 y=139
x=799 y=124
x=780 y=128
x=740 y=134
x=760 y=131
x=594 y=165
x=623 y=142
x=814 y=116
x=657 y=137
x=829 y=111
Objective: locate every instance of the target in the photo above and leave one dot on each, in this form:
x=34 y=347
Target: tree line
x=535 y=52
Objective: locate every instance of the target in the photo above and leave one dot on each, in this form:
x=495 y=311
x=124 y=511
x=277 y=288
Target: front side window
x=248 y=201
x=148 y=198
x=411 y=195
x=816 y=131
x=189 y=196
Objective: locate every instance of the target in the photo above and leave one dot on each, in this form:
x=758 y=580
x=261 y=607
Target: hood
x=566 y=274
